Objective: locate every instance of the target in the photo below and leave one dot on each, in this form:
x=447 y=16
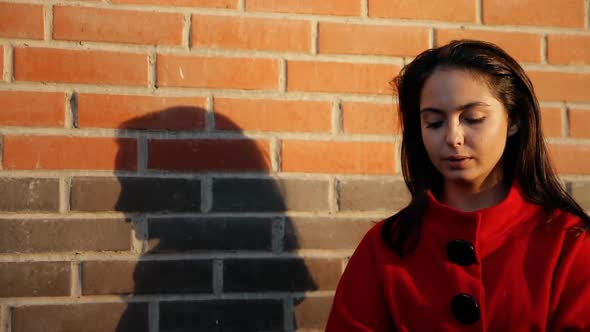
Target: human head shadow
x=211 y=229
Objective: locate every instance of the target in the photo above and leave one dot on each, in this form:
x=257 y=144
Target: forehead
x=449 y=88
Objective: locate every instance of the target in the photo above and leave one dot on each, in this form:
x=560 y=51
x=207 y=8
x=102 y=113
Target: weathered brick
x=338 y=157
x=581 y=193
x=266 y=195
x=87 y=317
x=74 y=66
x=19 y=20
x=578 y=123
x=369 y=118
x=570 y=13
x=312 y=312
x=280 y=274
x=327 y=7
x=324 y=233
x=557 y=86
x=525 y=47
x=570 y=158
x=174 y=234
x=141 y=112
x=130 y=194
x=27 y=194
x=209 y=155
x=67 y=152
x=340 y=77
x=373 y=195
x=209 y=72
x=454 y=10
x=147 y=277
x=117 y=26
x=272 y=115
x=59 y=235
x=235 y=32
x=222 y=315
x=551 y=121
x=568 y=49
x=32 y=109
x=25 y=279
x=186 y=3
x=346 y=38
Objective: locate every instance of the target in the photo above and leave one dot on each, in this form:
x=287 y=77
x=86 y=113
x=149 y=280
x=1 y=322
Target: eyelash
x=438 y=124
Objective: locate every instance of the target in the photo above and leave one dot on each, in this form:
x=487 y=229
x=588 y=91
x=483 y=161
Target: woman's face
x=464 y=127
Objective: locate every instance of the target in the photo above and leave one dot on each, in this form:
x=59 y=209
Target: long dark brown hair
x=525 y=158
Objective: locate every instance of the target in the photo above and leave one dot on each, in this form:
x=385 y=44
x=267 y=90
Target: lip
x=457 y=161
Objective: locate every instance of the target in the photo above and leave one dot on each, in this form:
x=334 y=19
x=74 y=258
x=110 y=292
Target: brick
x=568 y=49
x=28 y=194
x=369 y=118
x=441 y=10
x=87 y=317
x=324 y=233
x=131 y=194
x=231 y=4
x=117 y=26
x=208 y=155
x=32 y=109
x=338 y=157
x=339 y=77
x=269 y=195
x=61 y=152
x=312 y=312
x=288 y=274
x=251 y=33
x=578 y=123
x=373 y=195
x=345 y=38
x=551 y=121
x=62 y=235
x=581 y=193
x=26 y=279
x=557 y=86
x=534 y=12
x=326 y=7
x=524 y=47
x=141 y=112
x=147 y=277
x=222 y=315
x=184 y=234
x=19 y=20
x=570 y=159
x=75 y=66
x=272 y=115
x=209 y=72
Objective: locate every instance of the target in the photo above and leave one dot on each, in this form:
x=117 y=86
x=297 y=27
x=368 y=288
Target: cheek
x=431 y=142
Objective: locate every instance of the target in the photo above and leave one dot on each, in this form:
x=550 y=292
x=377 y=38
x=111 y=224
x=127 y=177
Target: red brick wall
x=167 y=164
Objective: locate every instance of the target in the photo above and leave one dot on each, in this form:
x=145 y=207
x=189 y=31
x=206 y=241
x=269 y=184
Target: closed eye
x=475 y=120
x=434 y=125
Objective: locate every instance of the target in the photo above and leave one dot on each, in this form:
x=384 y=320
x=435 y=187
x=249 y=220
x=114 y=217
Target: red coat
x=525 y=271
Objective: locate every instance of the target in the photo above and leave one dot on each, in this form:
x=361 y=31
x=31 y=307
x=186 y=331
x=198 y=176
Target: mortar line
x=275 y=154
x=5 y=318
x=241 y=6
x=71 y=109
x=479 y=11
x=283 y=72
x=587 y=12
x=337 y=117
x=334 y=195
x=154 y=316
x=1 y=151
x=364 y=8
x=431 y=38
x=186 y=31
x=314 y=37
x=75 y=279
x=288 y=313
x=206 y=194
x=565 y=119
x=210 y=113
x=139 y=234
x=65 y=187
x=48 y=22
x=142 y=153
x=152 y=79
x=544 y=49
x=8 y=70
x=217 y=276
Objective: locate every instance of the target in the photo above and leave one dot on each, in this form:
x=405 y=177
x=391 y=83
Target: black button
x=465 y=309
x=461 y=252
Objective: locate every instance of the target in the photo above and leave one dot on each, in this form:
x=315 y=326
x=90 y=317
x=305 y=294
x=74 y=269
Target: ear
x=513 y=128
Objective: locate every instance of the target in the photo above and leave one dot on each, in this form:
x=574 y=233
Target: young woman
x=490 y=240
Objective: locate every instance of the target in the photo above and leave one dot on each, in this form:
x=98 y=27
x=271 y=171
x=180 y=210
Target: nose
x=454 y=135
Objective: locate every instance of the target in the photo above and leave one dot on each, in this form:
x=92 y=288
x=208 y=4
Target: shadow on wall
x=213 y=222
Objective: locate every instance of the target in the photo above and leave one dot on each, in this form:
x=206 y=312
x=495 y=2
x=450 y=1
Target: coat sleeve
x=360 y=304
x=571 y=304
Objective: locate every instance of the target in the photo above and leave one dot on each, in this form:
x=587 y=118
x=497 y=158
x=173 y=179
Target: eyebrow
x=460 y=108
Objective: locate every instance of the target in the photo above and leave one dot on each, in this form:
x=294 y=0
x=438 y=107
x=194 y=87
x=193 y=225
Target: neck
x=472 y=197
